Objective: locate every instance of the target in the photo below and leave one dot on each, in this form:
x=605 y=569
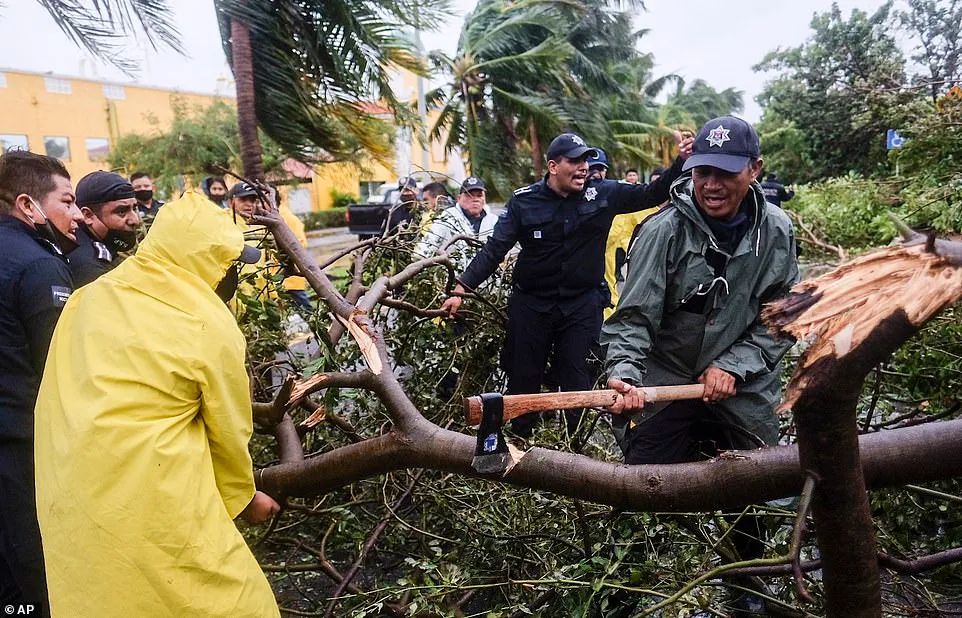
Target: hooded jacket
x=654 y=338
x=142 y=426
x=453 y=222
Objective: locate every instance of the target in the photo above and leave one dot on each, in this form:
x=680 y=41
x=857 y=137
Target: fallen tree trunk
x=889 y=459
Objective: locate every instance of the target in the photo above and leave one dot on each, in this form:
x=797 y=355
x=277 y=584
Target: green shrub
x=849 y=212
x=342 y=200
x=321 y=219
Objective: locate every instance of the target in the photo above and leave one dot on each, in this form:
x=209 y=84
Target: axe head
x=491 y=455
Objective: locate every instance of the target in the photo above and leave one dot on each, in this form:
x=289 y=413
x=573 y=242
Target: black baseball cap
x=471 y=183
x=242 y=189
x=570 y=146
x=407 y=182
x=727 y=143
x=599 y=159
x=101 y=187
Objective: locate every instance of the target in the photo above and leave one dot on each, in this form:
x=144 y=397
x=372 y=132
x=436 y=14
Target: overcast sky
x=718 y=41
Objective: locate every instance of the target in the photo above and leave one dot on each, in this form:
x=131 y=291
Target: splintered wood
x=305 y=388
x=836 y=312
x=364 y=339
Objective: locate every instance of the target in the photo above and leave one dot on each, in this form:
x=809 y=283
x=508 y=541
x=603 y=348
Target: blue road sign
x=893 y=140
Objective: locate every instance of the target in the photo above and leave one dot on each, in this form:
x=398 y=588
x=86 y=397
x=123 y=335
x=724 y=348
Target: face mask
x=144 y=195
x=51 y=233
x=120 y=241
x=227 y=287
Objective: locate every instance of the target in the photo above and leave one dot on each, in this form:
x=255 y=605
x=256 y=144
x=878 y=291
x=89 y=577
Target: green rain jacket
x=651 y=341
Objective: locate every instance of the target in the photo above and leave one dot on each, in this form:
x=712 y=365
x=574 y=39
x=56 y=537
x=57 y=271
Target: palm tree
x=303 y=68
x=509 y=56
x=306 y=67
x=523 y=72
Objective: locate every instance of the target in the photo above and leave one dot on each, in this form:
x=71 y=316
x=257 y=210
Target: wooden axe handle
x=518 y=405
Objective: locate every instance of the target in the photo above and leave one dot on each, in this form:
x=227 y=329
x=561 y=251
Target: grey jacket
x=651 y=340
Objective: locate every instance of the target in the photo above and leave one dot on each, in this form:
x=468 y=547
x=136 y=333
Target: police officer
x=147 y=204
x=561 y=223
x=598 y=165
x=38 y=223
x=110 y=225
x=690 y=307
x=775 y=192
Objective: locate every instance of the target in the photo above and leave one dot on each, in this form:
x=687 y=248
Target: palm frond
x=97 y=25
x=319 y=63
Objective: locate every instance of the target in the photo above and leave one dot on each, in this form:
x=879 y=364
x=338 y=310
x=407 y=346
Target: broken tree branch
x=853 y=318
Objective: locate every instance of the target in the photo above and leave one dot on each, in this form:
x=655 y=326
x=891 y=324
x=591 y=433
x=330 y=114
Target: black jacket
x=562 y=238
x=34 y=286
x=90 y=259
x=155 y=206
x=776 y=193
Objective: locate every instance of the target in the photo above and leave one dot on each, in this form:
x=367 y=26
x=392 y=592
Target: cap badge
x=718 y=136
x=591 y=194
x=471 y=181
x=577 y=140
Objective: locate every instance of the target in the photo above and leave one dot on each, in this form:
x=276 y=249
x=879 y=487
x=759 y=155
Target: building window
x=3 y=80
x=57 y=85
x=97 y=148
x=115 y=91
x=12 y=141
x=57 y=147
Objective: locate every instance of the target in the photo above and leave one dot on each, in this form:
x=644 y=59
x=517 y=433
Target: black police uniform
x=775 y=192
x=91 y=258
x=34 y=286
x=558 y=282
x=147 y=215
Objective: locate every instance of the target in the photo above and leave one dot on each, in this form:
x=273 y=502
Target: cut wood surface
x=836 y=312
x=519 y=405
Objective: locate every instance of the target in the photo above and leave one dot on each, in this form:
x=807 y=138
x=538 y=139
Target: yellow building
x=77 y=120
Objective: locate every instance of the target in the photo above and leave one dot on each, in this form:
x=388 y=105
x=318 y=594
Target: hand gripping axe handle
x=513 y=406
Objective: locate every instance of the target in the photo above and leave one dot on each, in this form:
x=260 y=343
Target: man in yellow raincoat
x=142 y=426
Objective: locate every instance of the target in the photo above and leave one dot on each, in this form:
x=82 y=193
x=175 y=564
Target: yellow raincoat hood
x=194 y=243
x=142 y=426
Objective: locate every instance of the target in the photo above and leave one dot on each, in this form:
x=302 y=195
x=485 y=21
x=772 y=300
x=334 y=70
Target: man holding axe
x=699 y=274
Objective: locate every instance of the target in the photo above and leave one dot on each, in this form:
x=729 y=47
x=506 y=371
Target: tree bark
x=888 y=459
x=242 y=60
x=853 y=318
x=537 y=156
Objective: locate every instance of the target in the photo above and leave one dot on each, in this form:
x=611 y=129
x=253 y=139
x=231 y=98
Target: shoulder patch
x=60 y=294
x=524 y=190
x=103 y=253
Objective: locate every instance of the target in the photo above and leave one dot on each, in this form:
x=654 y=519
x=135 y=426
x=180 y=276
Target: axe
x=490 y=410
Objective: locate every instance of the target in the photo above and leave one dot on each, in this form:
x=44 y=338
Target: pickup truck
x=367 y=220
